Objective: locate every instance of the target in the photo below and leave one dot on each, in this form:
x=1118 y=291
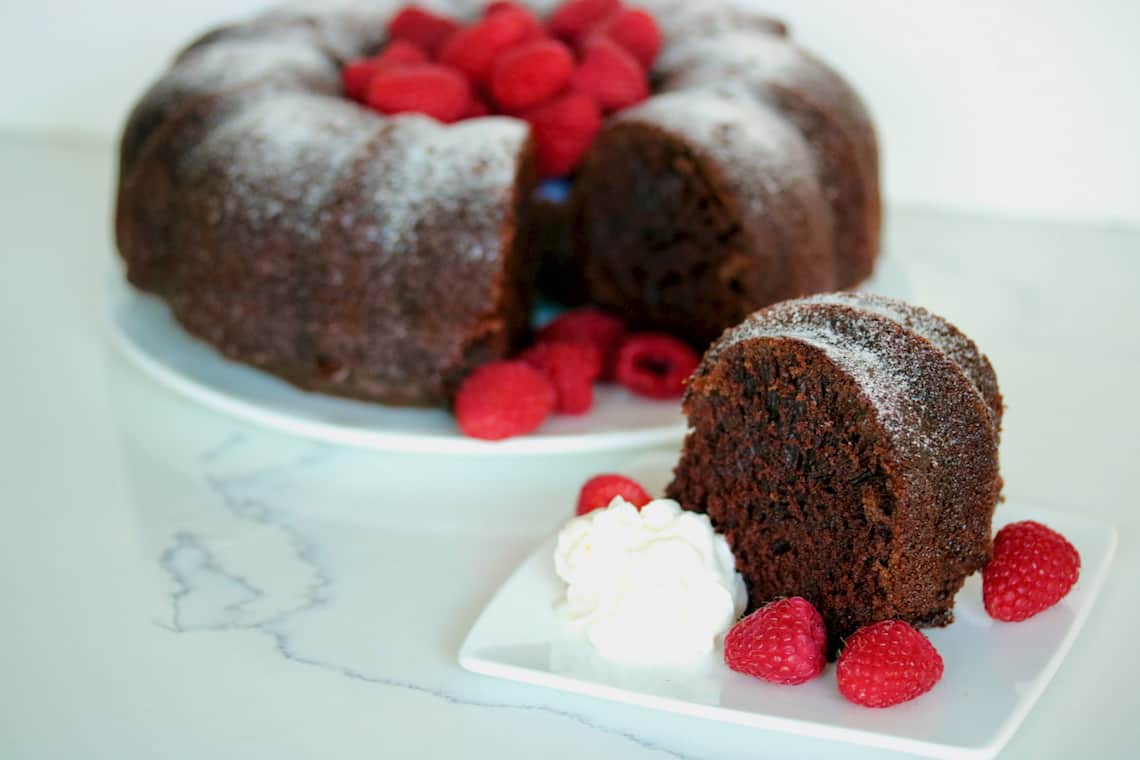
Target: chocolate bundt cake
x=847 y=447
x=383 y=258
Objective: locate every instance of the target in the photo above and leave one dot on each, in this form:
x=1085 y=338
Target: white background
x=1027 y=107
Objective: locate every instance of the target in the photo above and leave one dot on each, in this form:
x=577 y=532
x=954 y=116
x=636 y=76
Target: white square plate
x=994 y=673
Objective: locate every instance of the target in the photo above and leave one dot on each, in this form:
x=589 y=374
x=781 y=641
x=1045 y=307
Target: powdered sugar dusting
x=279 y=154
x=887 y=362
x=429 y=175
x=881 y=365
x=682 y=20
x=762 y=65
x=941 y=334
x=758 y=149
x=228 y=63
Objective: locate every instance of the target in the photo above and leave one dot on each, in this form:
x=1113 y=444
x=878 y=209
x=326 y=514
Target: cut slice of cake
x=847 y=447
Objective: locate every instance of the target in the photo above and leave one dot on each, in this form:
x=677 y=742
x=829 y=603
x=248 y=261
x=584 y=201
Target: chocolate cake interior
x=805 y=504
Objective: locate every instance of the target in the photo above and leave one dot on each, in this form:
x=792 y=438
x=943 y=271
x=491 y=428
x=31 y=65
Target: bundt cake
x=384 y=257
x=847 y=447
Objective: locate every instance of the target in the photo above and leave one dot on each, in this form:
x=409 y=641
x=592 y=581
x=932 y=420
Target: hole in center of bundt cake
x=804 y=499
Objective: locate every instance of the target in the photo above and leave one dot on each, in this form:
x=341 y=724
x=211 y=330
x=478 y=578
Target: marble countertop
x=182 y=585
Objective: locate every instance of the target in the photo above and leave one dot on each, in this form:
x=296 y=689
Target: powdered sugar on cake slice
x=890 y=363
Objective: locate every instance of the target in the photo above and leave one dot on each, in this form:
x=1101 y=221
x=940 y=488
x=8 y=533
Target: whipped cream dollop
x=648 y=586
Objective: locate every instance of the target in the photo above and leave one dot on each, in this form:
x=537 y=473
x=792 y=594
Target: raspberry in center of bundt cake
x=590 y=59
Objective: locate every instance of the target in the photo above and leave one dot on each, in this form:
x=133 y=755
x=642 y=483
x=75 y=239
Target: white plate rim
x=470 y=660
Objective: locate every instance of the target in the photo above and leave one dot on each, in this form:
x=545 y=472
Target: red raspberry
x=564 y=130
x=588 y=326
x=783 y=642
x=572 y=369
x=501 y=5
x=655 y=365
x=421 y=28
x=636 y=31
x=576 y=17
x=424 y=88
x=886 y=663
x=503 y=399
x=600 y=490
x=357 y=75
x=476 y=109
x=525 y=18
x=531 y=74
x=473 y=49
x=1032 y=569
x=401 y=53
x=610 y=75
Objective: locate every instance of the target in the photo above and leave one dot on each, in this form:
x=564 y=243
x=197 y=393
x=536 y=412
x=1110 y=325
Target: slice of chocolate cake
x=847 y=447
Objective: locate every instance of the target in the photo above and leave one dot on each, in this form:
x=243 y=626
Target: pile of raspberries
x=589 y=59
x=556 y=374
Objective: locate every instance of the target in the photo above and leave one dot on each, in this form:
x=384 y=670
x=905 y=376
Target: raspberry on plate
x=655 y=365
x=563 y=131
x=591 y=326
x=610 y=75
x=1033 y=568
x=423 y=88
x=503 y=399
x=783 y=642
x=530 y=74
x=571 y=368
x=600 y=490
x=887 y=663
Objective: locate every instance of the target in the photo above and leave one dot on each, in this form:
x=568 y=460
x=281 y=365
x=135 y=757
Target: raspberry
x=588 y=326
x=421 y=28
x=563 y=131
x=530 y=74
x=473 y=49
x=525 y=18
x=357 y=75
x=571 y=368
x=600 y=490
x=655 y=365
x=610 y=75
x=503 y=399
x=886 y=663
x=424 y=88
x=783 y=642
x=576 y=17
x=502 y=5
x=476 y=109
x=1032 y=569
x=401 y=53
x=637 y=32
